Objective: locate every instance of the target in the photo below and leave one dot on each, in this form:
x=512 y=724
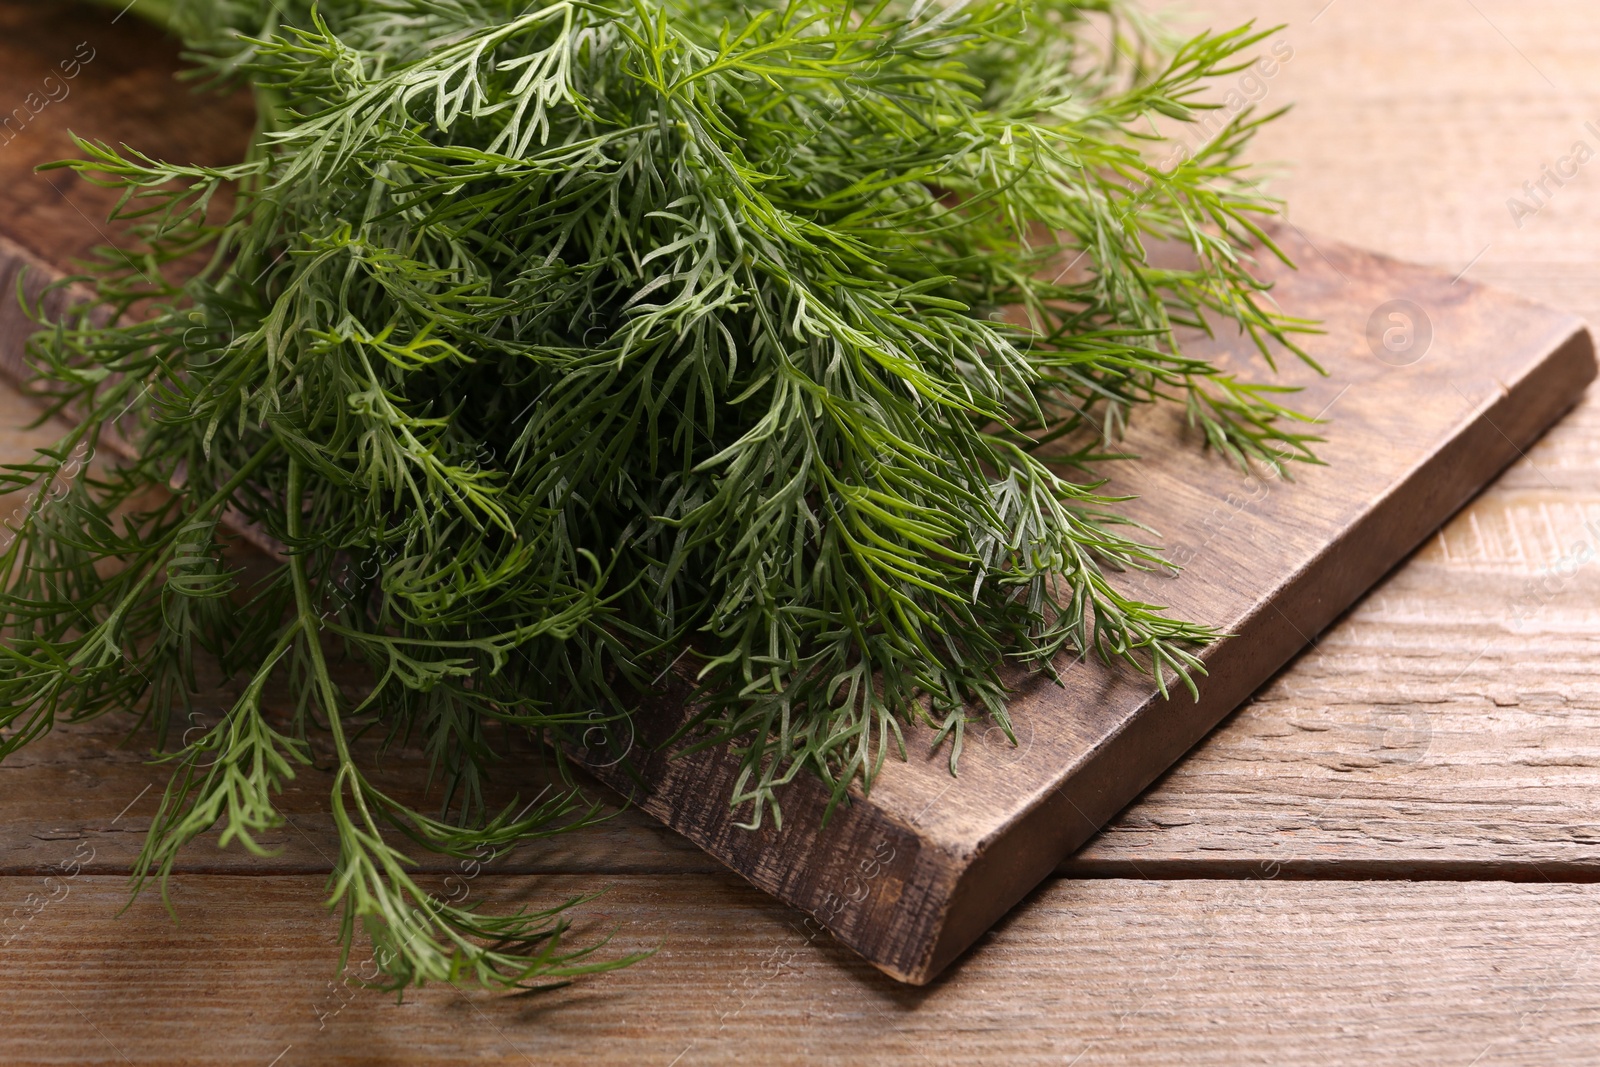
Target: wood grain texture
x=911 y=876
x=1409 y=436
x=1447 y=727
x=1391 y=747
x=1160 y=972
x=1448 y=724
x=124 y=92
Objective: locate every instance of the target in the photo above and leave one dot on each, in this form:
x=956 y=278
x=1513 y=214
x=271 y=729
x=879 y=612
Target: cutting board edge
x=1574 y=354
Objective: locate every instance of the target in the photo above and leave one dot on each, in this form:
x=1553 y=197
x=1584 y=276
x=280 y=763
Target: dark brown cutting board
x=1433 y=386
x=1421 y=412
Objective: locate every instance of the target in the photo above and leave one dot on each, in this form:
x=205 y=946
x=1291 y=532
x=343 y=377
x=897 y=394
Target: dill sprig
x=559 y=347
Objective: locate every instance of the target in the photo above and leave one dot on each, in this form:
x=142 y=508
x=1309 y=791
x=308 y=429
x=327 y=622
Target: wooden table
x=1389 y=855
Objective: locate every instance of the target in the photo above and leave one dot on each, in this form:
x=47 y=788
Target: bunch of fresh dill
x=556 y=345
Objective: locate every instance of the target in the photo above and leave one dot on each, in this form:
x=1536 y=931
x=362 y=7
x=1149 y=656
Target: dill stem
x=310 y=628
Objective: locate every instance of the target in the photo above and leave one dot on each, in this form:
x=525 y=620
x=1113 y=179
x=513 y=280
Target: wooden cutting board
x=1433 y=386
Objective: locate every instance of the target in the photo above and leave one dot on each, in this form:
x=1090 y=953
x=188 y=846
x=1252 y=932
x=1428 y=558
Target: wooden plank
x=1395 y=750
x=1413 y=125
x=1410 y=437
x=1092 y=972
x=89 y=786
x=1445 y=728
x=78 y=68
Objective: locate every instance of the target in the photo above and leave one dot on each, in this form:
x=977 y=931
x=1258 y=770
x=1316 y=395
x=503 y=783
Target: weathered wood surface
x=119 y=94
x=1090 y=972
x=1393 y=745
x=1409 y=436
